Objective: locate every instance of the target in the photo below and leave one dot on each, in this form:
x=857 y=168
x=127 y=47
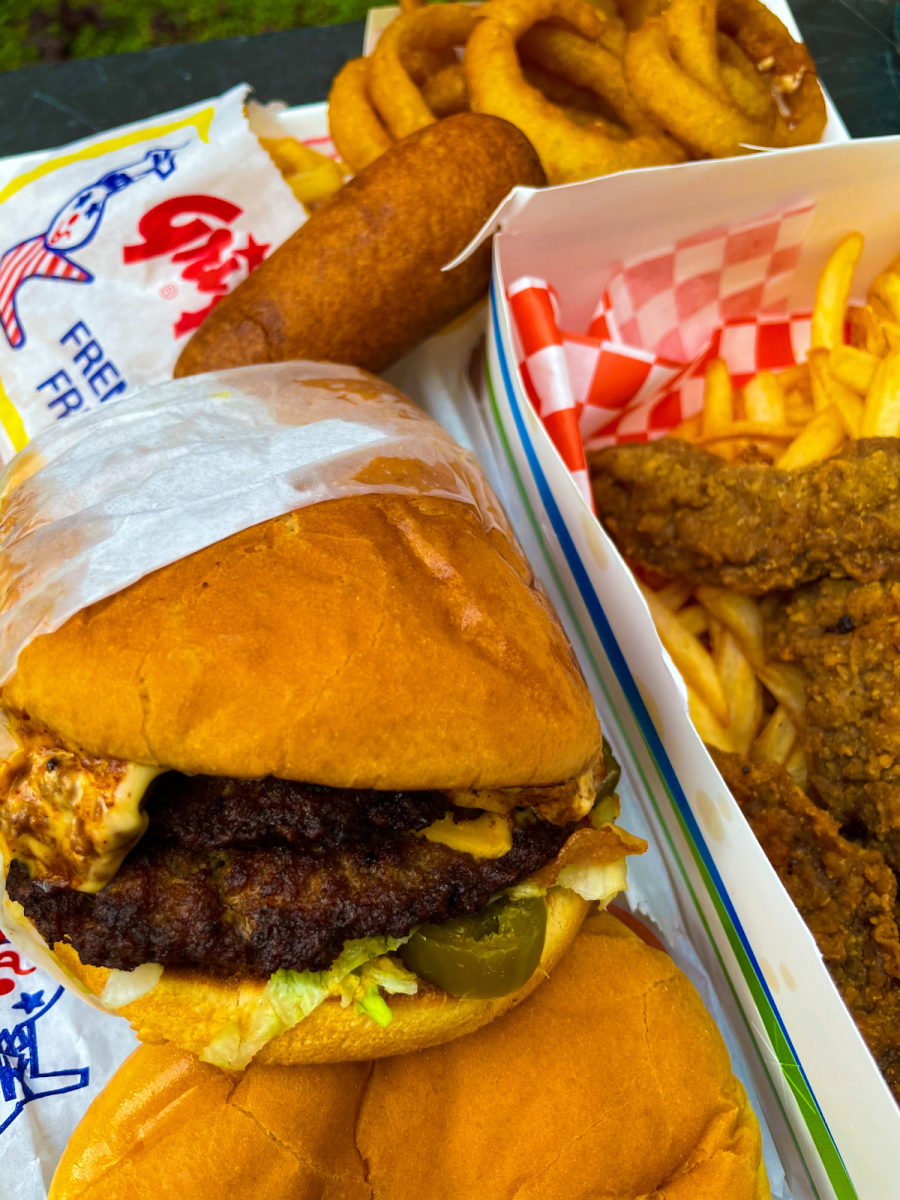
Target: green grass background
x=33 y=31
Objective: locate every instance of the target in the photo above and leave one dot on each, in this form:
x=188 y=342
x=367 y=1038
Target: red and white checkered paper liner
x=638 y=370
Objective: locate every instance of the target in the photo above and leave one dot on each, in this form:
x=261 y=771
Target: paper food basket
x=835 y=1122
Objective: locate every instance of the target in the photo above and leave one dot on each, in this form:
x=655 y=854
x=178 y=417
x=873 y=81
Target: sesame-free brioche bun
x=611 y=1082
x=192 y=1008
x=376 y=641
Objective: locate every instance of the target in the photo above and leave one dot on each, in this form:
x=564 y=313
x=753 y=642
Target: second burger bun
x=611 y=1081
x=191 y=1007
x=361 y=281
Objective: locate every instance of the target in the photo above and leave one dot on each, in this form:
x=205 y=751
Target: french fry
x=764 y=399
x=796 y=767
x=725 y=449
x=718 y=399
x=313 y=177
x=740 y=615
x=883 y=318
x=674 y=594
x=753 y=429
x=797 y=410
x=711 y=731
x=743 y=691
x=787 y=684
x=776 y=741
x=818 y=378
x=833 y=291
x=881 y=410
x=315 y=187
x=885 y=287
x=688 y=429
x=821 y=438
x=689 y=655
x=827 y=391
x=794 y=379
x=694 y=619
x=852 y=367
x=848 y=405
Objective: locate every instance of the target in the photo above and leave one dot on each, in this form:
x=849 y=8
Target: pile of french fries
x=738 y=700
x=807 y=413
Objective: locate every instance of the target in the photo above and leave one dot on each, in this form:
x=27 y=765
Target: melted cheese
x=70 y=817
x=487 y=836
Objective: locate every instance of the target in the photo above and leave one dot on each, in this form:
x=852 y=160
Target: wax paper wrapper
x=638 y=369
x=114 y=248
x=91 y=506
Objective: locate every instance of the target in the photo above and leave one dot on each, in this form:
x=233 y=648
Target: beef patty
x=261 y=875
x=209 y=812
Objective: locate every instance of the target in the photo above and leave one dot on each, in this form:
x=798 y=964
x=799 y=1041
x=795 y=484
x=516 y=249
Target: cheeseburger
x=331 y=788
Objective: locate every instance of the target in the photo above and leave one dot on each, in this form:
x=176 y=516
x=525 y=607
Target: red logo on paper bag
x=204 y=243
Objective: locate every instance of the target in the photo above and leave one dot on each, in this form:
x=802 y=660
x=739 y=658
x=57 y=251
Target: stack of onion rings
x=596 y=87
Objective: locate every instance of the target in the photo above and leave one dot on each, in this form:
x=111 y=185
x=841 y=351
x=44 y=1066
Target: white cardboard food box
x=824 y=1097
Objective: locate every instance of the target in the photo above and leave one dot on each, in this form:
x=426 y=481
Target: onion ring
x=636 y=12
x=615 y=31
x=445 y=92
x=691 y=25
x=396 y=98
x=688 y=110
x=568 y=152
x=749 y=90
x=518 y=16
x=580 y=106
x=768 y=44
x=589 y=65
x=357 y=133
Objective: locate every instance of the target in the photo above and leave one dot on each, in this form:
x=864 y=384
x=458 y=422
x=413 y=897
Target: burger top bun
x=612 y=1081
x=376 y=641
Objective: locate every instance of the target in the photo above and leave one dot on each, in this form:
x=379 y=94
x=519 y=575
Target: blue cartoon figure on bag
x=46 y=255
x=26 y=1000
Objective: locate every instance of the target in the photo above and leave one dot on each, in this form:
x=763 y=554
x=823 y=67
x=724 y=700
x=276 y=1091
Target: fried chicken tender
x=846 y=638
x=847 y=896
x=688 y=514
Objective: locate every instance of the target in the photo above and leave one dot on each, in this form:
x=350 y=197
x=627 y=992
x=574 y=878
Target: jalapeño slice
x=613 y=774
x=479 y=958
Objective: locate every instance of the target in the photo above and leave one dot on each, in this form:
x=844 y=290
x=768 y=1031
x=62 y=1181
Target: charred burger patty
x=266 y=874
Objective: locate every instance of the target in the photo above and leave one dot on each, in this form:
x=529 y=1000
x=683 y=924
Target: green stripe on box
x=790 y=1069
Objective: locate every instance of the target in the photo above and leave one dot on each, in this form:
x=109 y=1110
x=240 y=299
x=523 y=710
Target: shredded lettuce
x=392 y=977
x=593 y=882
x=374 y=1005
x=294 y=994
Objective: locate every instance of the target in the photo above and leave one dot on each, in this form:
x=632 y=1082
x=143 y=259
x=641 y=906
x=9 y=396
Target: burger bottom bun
x=611 y=1083
x=213 y=1016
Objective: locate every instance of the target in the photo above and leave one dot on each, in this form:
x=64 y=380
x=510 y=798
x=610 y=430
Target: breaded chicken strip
x=688 y=514
x=846 y=895
x=846 y=637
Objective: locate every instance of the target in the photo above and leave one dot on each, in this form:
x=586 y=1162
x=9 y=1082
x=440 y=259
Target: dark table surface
x=853 y=42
